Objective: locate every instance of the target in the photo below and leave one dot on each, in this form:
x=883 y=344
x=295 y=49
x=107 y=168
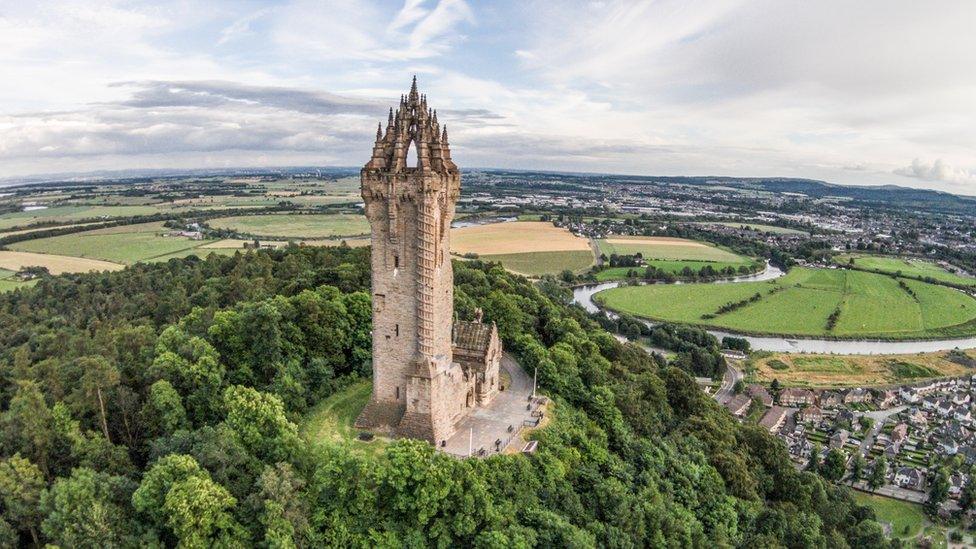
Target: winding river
x=583 y=295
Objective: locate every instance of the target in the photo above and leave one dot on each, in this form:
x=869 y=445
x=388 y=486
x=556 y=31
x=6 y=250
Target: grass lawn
x=818 y=370
x=906 y=518
x=294 y=225
x=9 y=282
x=332 y=420
x=540 y=263
x=871 y=305
x=907 y=266
x=127 y=244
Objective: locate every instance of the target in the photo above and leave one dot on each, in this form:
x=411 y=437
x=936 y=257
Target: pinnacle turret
x=413 y=124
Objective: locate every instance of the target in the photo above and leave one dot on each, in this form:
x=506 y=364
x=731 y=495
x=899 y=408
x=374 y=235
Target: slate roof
x=471 y=336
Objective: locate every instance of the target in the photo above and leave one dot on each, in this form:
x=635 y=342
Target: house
x=830 y=399
x=891 y=451
x=944 y=409
x=838 y=439
x=888 y=399
x=961 y=398
x=797 y=397
x=845 y=417
x=910 y=477
x=773 y=419
x=899 y=433
x=962 y=413
x=968 y=453
x=930 y=403
x=758 y=391
x=948 y=446
x=739 y=405
x=956 y=482
x=810 y=413
x=857 y=396
x=909 y=395
x=918 y=419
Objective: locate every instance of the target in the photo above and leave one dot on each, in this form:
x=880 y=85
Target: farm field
x=801 y=302
x=126 y=244
x=753 y=226
x=295 y=226
x=907 y=266
x=674 y=267
x=55 y=264
x=530 y=248
x=541 y=263
x=662 y=247
x=818 y=370
x=72 y=213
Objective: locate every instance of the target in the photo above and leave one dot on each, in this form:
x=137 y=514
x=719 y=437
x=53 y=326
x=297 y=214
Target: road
x=725 y=391
x=879 y=417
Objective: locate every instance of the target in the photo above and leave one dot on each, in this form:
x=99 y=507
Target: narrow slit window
x=396 y=262
x=397 y=330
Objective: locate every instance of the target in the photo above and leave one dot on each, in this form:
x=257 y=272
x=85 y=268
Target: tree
x=834 y=465
x=938 y=491
x=200 y=514
x=149 y=498
x=27 y=424
x=813 y=465
x=259 y=421
x=857 y=468
x=967 y=500
x=87 y=510
x=879 y=475
x=21 y=484
x=163 y=413
x=283 y=510
x=98 y=376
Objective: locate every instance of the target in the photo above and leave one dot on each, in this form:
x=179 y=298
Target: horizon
x=871 y=94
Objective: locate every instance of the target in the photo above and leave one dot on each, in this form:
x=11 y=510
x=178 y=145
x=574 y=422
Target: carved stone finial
x=479 y=315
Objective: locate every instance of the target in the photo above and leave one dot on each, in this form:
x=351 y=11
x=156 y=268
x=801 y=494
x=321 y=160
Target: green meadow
x=541 y=263
x=800 y=303
x=295 y=226
x=8 y=281
x=907 y=266
x=126 y=244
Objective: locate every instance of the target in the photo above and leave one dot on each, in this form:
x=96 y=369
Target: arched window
x=412 y=160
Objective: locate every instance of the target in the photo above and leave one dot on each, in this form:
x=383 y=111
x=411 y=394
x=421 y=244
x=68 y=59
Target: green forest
x=158 y=407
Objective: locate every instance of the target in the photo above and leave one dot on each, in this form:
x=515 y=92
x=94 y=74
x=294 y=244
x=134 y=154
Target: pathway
x=485 y=425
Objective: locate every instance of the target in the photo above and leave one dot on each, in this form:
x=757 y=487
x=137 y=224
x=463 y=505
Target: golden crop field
x=515 y=237
x=55 y=264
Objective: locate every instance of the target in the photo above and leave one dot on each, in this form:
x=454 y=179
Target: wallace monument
x=429 y=371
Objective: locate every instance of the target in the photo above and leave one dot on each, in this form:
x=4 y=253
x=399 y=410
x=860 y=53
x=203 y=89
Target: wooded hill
x=157 y=406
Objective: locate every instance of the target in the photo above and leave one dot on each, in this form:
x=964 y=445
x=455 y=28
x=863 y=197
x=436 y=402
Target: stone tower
x=410 y=187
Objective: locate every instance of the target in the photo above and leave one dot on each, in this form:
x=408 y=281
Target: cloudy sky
x=865 y=92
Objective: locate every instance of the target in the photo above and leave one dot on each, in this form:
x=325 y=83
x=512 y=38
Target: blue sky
x=867 y=92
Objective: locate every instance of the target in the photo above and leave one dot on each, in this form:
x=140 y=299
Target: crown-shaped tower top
x=412 y=125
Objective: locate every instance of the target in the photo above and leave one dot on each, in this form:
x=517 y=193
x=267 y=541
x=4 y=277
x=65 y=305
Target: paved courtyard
x=487 y=425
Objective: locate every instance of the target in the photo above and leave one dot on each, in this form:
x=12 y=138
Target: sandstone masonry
x=429 y=371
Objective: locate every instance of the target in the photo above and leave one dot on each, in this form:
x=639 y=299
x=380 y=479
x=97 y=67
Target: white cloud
x=938 y=171
x=834 y=89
